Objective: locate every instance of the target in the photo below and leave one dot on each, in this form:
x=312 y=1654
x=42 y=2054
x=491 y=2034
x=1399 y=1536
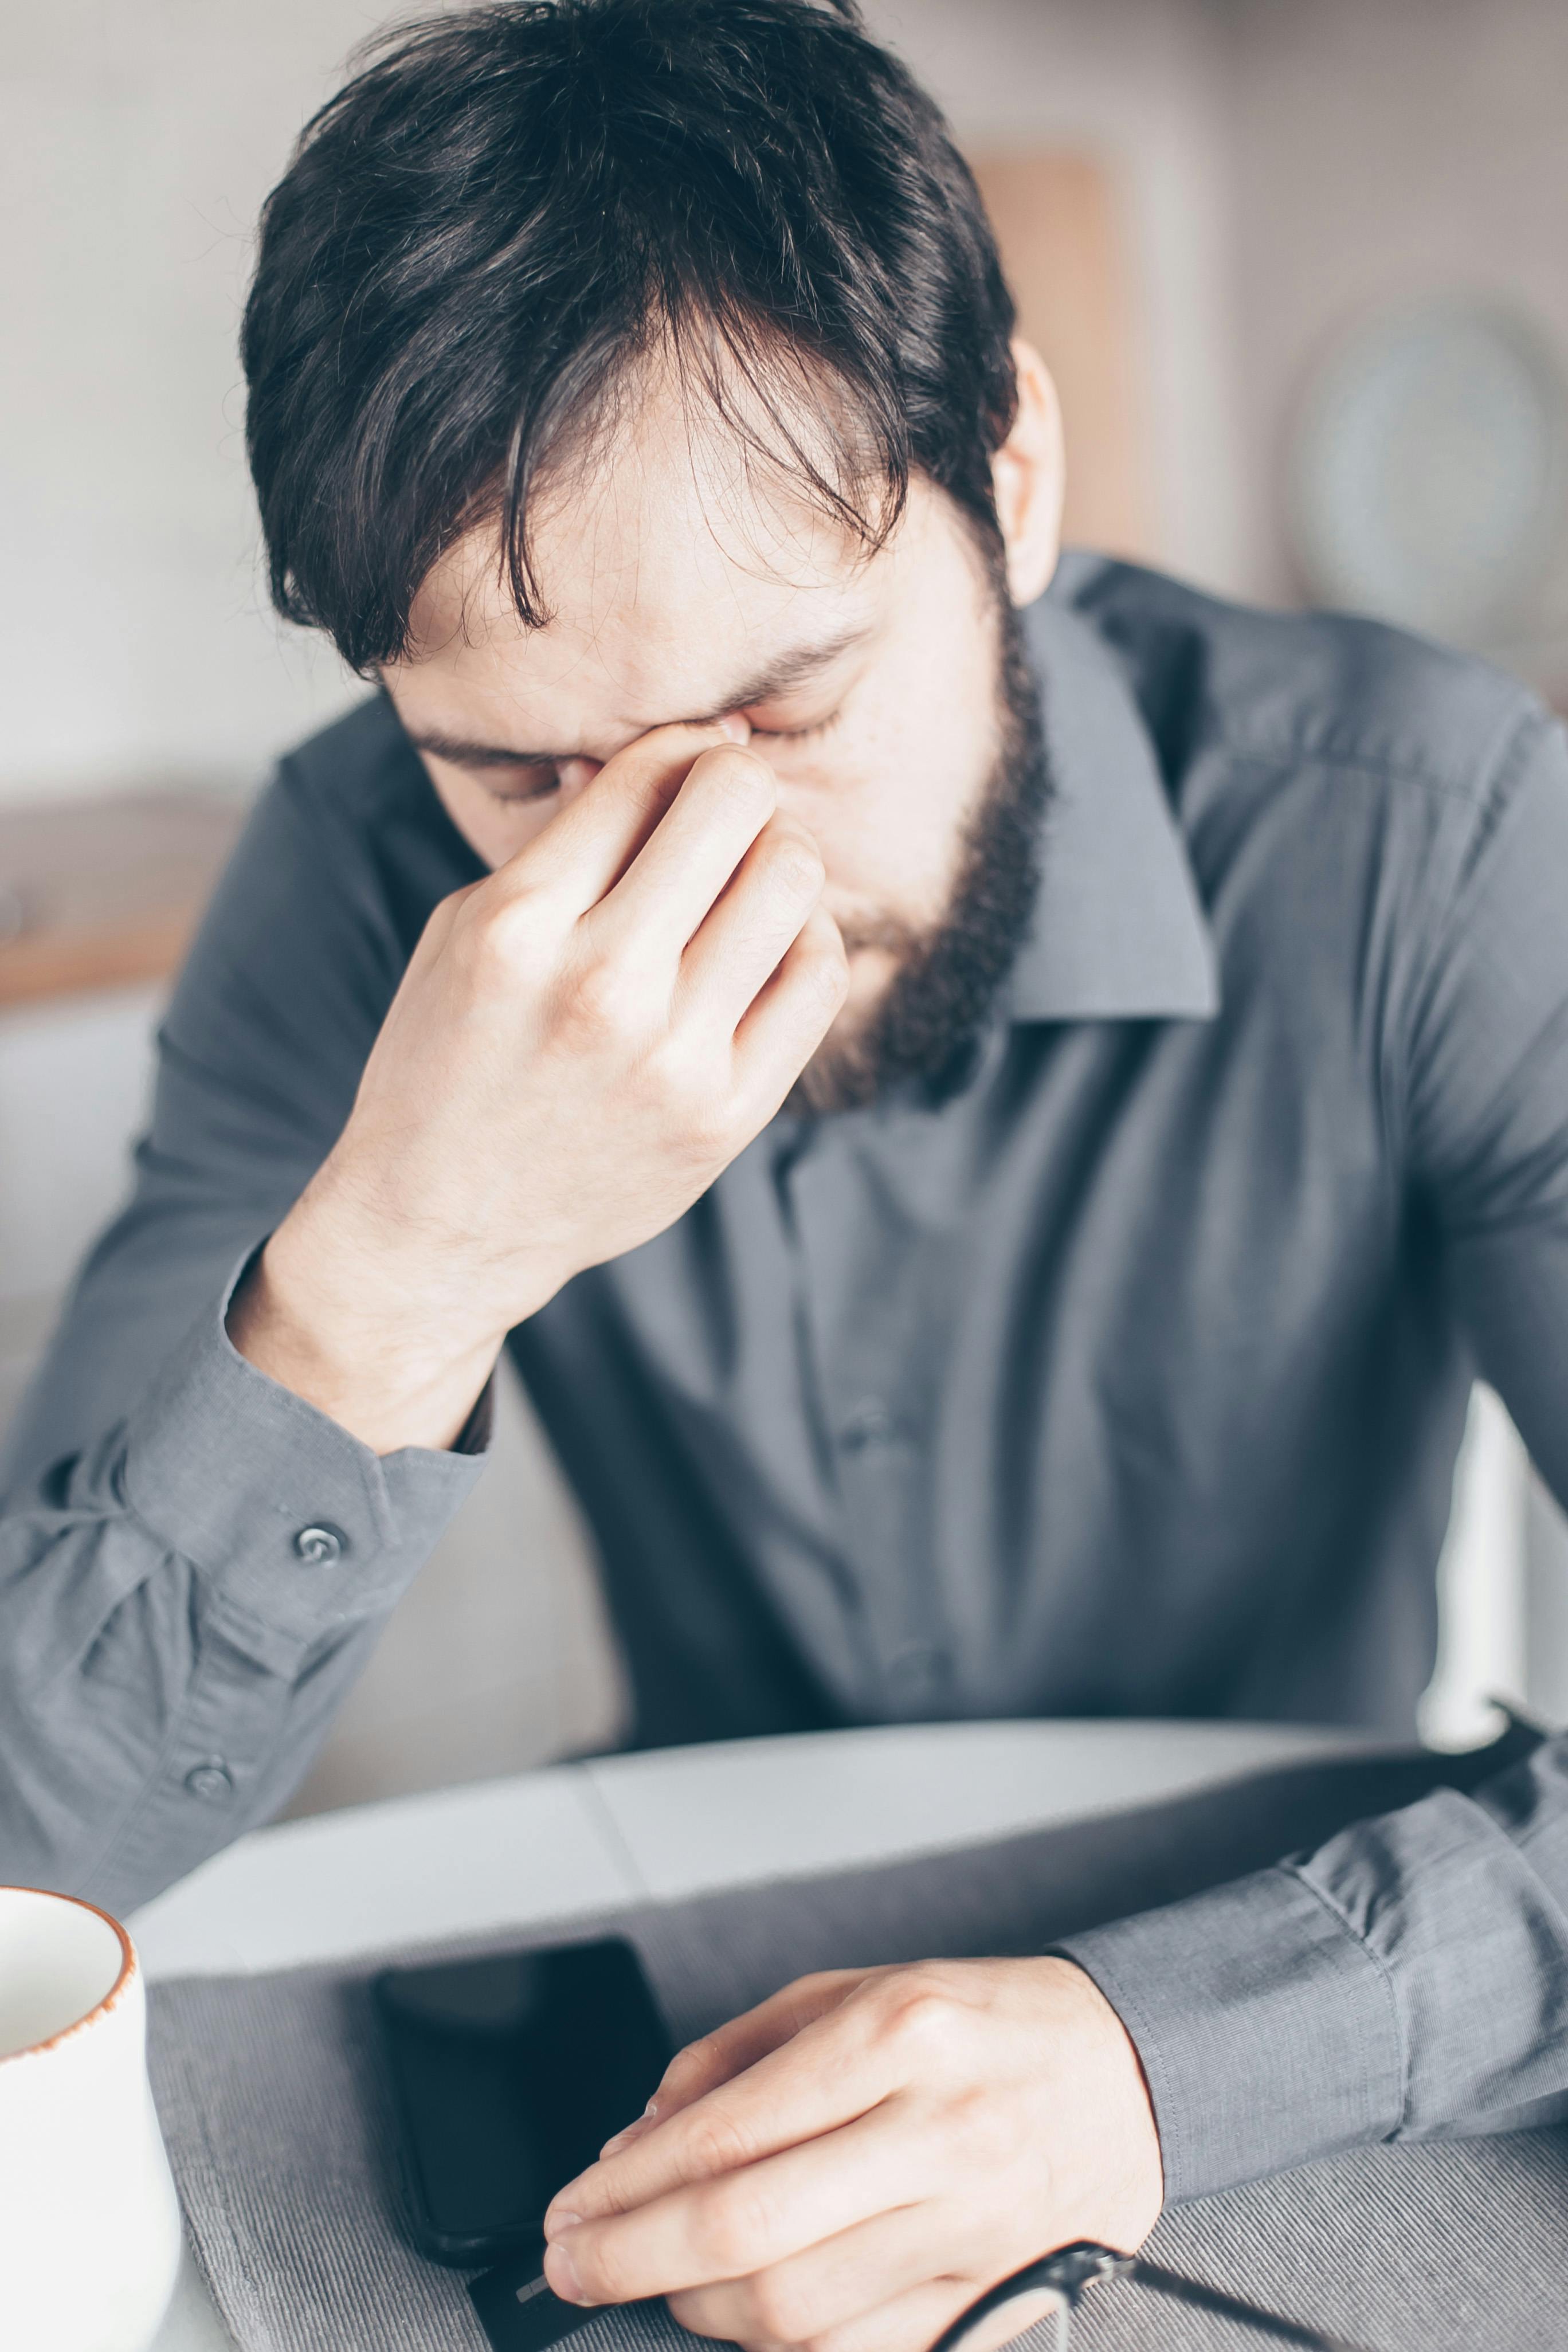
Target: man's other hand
x=847 y=2167
x=582 y=1042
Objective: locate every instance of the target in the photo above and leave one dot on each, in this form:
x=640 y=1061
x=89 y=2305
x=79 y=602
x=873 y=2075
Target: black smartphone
x=509 y=2073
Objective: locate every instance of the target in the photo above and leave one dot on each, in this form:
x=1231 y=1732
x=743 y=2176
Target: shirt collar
x=1118 y=932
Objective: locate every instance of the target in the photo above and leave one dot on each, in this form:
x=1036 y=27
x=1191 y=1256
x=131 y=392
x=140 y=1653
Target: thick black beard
x=926 y=1030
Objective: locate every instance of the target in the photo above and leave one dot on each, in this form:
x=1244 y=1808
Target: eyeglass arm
x=1233 y=2306
x=1067 y=2273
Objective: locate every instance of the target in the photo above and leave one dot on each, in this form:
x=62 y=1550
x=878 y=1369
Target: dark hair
x=509 y=206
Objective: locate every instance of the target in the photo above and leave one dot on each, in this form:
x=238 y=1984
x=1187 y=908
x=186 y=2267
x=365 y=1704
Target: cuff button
x=211 y=1780
x=320 y=1545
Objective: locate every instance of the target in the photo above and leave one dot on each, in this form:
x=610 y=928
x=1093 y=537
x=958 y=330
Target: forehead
x=673 y=559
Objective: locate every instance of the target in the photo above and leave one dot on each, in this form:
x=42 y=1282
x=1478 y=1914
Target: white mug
x=90 y=2226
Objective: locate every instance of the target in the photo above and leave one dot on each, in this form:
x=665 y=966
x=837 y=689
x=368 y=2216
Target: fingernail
x=739 y=730
x=555 y=2223
x=561 y=2273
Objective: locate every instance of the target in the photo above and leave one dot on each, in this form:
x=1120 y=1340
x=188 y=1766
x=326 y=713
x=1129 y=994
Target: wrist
x=1115 y=2090
x=363 y=1340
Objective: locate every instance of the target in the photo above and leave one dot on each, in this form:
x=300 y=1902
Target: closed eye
x=795 y=734
x=534 y=784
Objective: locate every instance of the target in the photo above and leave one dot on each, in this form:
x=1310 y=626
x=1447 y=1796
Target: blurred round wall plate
x=1427 y=476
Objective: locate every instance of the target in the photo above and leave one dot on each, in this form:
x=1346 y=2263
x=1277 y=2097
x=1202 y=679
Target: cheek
x=890 y=817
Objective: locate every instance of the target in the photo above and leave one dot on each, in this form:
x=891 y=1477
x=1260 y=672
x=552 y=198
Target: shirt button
x=211 y=1780
x=320 y=1545
x=868 y=1423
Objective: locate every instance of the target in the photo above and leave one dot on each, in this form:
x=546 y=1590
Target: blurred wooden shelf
x=1059 y=228
x=105 y=893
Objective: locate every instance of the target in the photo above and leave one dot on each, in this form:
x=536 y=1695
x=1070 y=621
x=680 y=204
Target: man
x=997 y=1108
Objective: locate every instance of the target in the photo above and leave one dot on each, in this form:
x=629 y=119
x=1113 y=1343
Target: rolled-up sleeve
x=1410 y=1979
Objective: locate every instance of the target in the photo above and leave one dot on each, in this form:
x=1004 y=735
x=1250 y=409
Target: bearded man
x=998 y=1105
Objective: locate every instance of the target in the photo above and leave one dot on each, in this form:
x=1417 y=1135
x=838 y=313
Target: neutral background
x=1282 y=168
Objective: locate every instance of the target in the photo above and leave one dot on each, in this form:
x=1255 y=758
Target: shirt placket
x=872 y=1331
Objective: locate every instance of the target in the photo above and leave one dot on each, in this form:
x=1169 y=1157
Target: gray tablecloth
x=276 y=2109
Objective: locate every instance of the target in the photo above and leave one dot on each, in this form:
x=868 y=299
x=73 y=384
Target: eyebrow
x=790 y=669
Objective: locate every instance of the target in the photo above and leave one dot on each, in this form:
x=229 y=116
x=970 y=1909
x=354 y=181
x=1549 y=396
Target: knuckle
x=917 y=2014
x=501 y=944
x=680 y=1082
x=692 y=2065
x=795 y=861
x=487 y=929
x=718 y=1137
x=692 y=2310
x=781 y=2310
x=734 y=2223
x=741 y=775
x=976 y=2130
x=601 y=999
x=708 y=1123
x=716 y=2142
x=828 y=974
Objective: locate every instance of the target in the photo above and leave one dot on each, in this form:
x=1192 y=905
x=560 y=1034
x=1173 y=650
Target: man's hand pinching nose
x=581 y=1044
x=848 y=2166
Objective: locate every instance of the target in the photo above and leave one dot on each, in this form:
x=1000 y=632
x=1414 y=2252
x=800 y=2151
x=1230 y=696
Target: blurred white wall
x=1383 y=150
x=137 y=139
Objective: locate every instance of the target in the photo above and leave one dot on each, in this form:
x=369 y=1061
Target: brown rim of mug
x=100 y=2008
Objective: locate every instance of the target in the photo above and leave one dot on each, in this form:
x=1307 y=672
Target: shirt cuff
x=1266 y=2027
x=296 y=1522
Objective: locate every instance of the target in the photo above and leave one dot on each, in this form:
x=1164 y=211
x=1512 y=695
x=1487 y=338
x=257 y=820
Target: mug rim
x=100 y=2008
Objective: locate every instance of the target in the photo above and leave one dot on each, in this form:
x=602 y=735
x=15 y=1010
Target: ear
x=1029 y=474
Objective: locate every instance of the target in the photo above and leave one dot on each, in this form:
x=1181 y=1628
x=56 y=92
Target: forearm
x=181 y=1610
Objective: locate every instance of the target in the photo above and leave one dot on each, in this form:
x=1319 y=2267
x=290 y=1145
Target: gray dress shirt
x=1127 y=1381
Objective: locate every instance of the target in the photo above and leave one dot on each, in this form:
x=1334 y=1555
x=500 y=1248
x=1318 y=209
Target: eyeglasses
x=1058 y=2280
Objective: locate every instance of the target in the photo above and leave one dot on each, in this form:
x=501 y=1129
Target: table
x=585 y=1837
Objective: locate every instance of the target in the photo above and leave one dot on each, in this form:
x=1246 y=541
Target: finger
x=911 y=2323
x=738 y=2221
x=584 y=851
x=716 y=2057
x=752 y=925
x=791 y=1016
x=809 y=2294
x=667 y=890
x=732 y=2047
x=779 y=2099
